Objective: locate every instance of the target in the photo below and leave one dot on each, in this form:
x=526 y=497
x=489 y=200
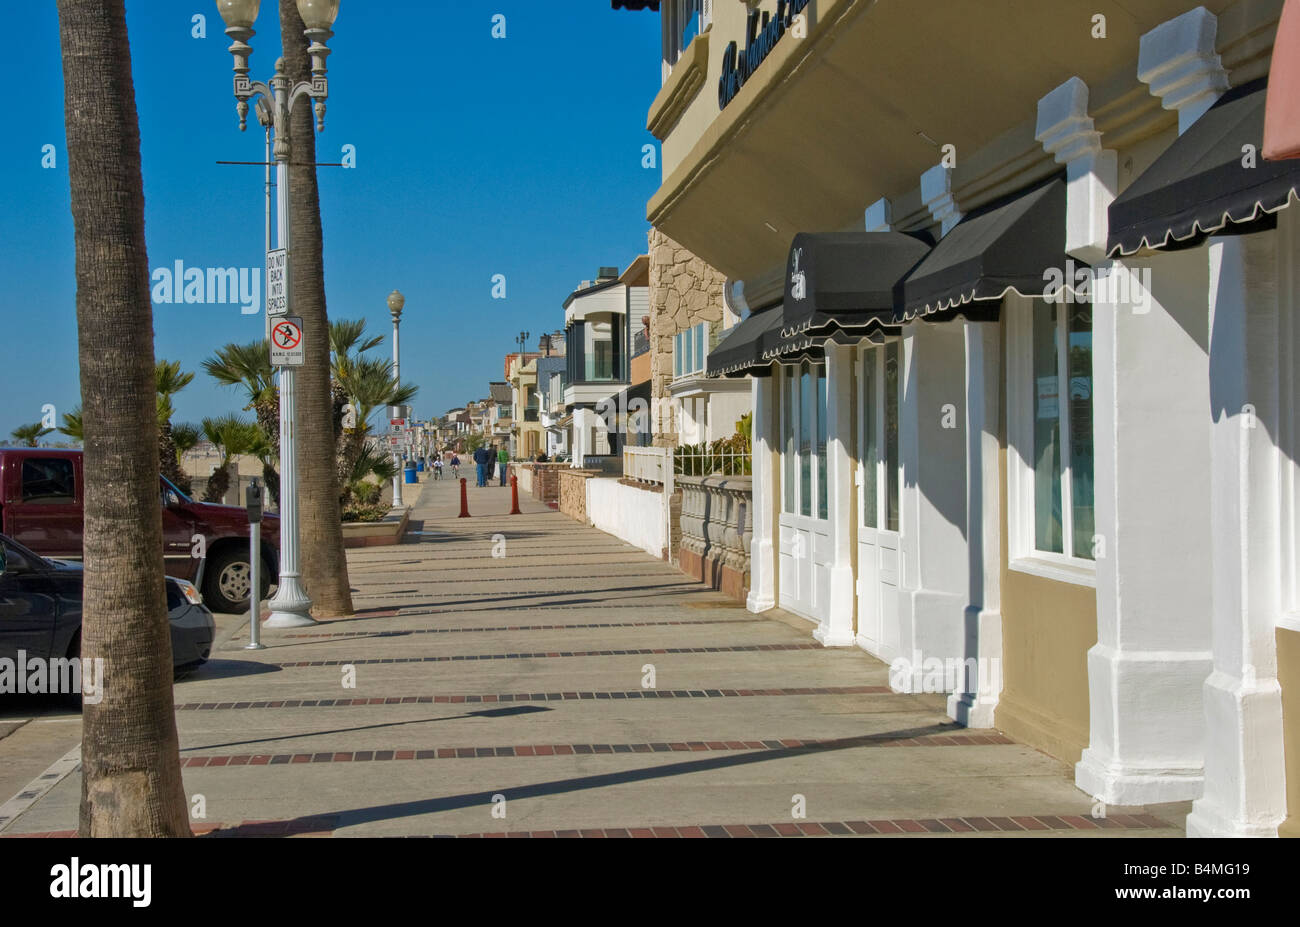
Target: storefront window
x=1047 y=433
x=1081 y=441
x=870 y=441
x=1063 y=516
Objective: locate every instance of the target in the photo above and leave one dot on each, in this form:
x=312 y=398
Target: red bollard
x=464 y=500
x=514 y=495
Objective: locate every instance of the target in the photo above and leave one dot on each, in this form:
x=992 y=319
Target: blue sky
x=475 y=156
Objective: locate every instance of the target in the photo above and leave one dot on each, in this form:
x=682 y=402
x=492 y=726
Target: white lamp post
x=291 y=606
x=395 y=303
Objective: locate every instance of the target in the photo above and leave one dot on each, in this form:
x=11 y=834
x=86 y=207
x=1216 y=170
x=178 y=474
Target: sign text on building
x=760 y=39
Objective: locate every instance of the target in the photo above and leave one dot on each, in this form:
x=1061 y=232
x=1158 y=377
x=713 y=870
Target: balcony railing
x=640 y=343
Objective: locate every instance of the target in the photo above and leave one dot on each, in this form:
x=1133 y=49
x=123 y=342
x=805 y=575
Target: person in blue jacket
x=480 y=461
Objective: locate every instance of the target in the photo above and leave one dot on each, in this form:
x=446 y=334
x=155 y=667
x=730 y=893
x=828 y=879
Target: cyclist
x=455 y=467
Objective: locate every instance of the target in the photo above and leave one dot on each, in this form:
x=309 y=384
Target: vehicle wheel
x=226 y=580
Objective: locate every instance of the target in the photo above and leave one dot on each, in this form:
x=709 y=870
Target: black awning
x=846 y=280
x=740 y=352
x=1006 y=245
x=1207 y=180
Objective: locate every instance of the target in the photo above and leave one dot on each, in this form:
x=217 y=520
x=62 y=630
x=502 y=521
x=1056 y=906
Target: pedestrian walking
x=503 y=458
x=480 y=463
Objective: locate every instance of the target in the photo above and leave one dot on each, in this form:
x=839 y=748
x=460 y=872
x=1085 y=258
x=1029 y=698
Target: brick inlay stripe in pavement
x=527 y=697
x=642 y=651
x=535 y=750
x=524 y=627
x=325 y=825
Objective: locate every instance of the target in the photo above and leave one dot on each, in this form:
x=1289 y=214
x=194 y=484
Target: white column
x=973 y=702
x=762 y=547
x=1245 y=791
x=836 y=630
x=1152 y=479
x=1151 y=429
x=1178 y=62
x=1067 y=132
x=932 y=447
x=290 y=606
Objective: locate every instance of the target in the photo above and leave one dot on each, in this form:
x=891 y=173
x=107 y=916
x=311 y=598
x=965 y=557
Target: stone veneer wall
x=717 y=526
x=573 y=493
x=684 y=291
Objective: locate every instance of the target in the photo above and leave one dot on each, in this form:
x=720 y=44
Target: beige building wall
x=684 y=291
x=1047 y=630
x=1288 y=674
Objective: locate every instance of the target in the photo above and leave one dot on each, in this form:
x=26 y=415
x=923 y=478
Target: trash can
x=410 y=474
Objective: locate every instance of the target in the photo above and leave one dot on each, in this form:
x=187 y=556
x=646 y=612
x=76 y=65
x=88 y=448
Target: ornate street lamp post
x=291 y=606
x=395 y=303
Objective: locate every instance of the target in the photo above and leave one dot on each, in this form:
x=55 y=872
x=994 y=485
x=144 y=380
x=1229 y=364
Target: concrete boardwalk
x=499 y=664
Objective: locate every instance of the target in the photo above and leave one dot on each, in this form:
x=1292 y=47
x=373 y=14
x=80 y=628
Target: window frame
x=791 y=376
x=687 y=344
x=1024 y=554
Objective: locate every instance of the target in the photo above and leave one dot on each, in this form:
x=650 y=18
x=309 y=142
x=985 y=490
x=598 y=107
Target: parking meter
x=253 y=502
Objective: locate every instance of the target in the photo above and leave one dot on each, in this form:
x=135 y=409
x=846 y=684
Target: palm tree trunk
x=324 y=565
x=131 y=779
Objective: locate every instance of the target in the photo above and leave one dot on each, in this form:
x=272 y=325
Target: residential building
x=999 y=357
x=598 y=318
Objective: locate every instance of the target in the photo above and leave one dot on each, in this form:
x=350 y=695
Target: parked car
x=42 y=493
x=40 y=610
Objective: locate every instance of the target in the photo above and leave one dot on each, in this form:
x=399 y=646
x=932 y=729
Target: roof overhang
x=830 y=123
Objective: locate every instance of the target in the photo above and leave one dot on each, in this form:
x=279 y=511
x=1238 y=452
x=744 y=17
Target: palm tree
x=347 y=342
x=130 y=754
x=186 y=436
x=267 y=453
x=29 y=435
x=249 y=366
x=72 y=425
x=232 y=436
x=324 y=564
x=369 y=385
x=169 y=380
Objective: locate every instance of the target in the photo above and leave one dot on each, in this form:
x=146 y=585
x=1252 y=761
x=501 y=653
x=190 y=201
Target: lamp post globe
x=395 y=303
x=240 y=14
x=318 y=14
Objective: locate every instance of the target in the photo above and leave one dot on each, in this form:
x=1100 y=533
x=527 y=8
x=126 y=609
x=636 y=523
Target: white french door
x=804 y=526
x=879 y=511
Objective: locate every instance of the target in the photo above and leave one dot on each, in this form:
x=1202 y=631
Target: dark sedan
x=40 y=610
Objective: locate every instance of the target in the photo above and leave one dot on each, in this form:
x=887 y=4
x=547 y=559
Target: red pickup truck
x=41 y=499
